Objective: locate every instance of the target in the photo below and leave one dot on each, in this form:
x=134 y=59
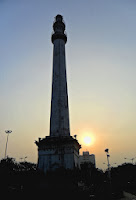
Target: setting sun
x=87 y=140
x=86 y=137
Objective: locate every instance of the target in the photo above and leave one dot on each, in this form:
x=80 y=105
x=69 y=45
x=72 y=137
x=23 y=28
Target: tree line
x=85 y=183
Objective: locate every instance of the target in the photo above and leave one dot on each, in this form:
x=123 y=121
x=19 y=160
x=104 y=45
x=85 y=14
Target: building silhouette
x=87 y=158
x=59 y=149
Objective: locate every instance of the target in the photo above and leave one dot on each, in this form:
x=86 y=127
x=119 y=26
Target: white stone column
x=59 y=118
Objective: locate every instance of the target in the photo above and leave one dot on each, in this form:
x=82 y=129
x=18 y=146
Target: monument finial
x=59 y=29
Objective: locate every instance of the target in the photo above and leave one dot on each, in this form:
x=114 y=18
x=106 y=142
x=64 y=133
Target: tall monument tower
x=59 y=149
x=59 y=120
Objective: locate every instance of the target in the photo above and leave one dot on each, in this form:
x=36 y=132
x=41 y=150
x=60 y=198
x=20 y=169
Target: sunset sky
x=101 y=74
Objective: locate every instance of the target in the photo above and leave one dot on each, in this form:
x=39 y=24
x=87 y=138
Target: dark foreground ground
x=23 y=180
x=57 y=186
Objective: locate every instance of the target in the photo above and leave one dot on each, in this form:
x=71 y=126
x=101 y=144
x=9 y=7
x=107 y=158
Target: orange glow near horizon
x=86 y=138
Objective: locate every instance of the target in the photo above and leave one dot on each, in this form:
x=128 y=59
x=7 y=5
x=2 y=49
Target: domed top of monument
x=59 y=18
x=59 y=29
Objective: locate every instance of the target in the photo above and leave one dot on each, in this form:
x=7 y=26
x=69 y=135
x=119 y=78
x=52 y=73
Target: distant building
x=87 y=158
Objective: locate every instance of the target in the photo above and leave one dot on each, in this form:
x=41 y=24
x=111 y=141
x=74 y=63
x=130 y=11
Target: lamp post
x=130 y=159
x=7 y=132
x=25 y=158
x=111 y=165
x=107 y=154
x=21 y=159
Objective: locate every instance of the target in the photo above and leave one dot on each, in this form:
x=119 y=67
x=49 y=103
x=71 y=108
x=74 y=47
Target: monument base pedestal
x=58 y=152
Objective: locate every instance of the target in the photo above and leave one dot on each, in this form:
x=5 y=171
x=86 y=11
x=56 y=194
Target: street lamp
x=109 y=172
x=21 y=159
x=111 y=165
x=130 y=159
x=25 y=158
x=7 y=132
x=107 y=154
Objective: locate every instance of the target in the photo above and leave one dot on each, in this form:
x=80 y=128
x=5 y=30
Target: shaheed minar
x=59 y=149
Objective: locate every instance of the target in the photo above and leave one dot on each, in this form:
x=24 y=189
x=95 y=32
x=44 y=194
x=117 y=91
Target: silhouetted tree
x=124 y=177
